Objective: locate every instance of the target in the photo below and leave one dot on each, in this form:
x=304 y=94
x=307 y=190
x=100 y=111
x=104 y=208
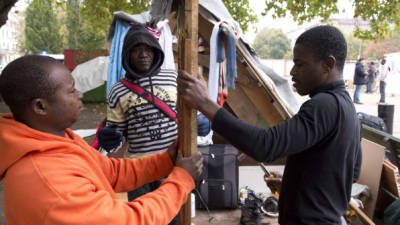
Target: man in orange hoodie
x=52 y=176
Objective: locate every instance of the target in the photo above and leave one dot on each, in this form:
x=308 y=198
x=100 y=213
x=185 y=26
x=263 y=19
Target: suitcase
x=218 y=184
x=372 y=121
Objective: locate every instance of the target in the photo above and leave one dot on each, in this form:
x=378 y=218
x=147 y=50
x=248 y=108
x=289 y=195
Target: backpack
x=372 y=121
x=219 y=182
x=162 y=106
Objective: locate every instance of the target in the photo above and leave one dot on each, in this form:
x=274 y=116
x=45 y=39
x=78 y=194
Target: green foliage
x=380 y=14
x=302 y=11
x=241 y=13
x=81 y=35
x=99 y=13
x=355 y=47
x=272 y=44
x=42 y=28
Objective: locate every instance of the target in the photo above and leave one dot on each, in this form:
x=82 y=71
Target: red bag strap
x=148 y=96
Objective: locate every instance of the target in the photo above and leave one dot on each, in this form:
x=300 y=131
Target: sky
x=287 y=24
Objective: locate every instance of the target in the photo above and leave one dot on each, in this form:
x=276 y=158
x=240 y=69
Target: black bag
x=219 y=183
x=372 y=121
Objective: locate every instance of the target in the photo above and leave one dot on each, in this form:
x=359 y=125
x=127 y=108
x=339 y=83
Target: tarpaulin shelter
x=261 y=96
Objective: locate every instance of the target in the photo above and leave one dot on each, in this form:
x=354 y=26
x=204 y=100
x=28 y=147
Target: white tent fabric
x=91 y=74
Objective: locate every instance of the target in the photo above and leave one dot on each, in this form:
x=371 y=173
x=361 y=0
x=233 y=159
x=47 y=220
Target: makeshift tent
x=261 y=96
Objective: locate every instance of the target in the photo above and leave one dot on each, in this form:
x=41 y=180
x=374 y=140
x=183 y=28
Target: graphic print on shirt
x=147 y=128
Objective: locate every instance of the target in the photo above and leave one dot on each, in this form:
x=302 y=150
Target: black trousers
x=146 y=188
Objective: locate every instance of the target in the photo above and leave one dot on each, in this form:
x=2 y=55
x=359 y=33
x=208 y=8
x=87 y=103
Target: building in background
x=10 y=33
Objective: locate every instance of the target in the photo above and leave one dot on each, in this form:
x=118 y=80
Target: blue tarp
x=115 y=70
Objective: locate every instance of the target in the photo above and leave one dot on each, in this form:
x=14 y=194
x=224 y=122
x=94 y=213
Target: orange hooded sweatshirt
x=62 y=180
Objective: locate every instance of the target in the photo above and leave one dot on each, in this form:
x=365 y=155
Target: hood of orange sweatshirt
x=18 y=140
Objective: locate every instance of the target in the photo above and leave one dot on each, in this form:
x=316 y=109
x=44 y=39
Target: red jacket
x=62 y=180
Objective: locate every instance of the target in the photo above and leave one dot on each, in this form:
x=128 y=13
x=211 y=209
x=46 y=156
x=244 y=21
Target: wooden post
x=187 y=60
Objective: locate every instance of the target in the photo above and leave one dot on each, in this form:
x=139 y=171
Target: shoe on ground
x=360 y=103
x=251 y=210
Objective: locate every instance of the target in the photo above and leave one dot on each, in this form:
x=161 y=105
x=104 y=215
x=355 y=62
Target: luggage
x=219 y=183
x=372 y=121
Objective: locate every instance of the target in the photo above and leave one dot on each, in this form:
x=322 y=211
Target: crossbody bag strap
x=148 y=96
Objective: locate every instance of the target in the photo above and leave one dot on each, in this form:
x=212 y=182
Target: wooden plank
x=264 y=105
x=244 y=108
x=268 y=86
x=390 y=176
x=188 y=61
x=371 y=169
x=364 y=218
x=205 y=29
x=389 y=187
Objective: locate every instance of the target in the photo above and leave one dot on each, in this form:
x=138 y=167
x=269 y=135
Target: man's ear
x=329 y=63
x=39 y=106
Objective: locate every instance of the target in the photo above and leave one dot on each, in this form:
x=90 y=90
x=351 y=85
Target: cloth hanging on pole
x=115 y=71
x=231 y=72
x=213 y=74
x=166 y=40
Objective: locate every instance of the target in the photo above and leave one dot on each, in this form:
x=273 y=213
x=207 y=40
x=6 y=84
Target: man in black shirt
x=321 y=142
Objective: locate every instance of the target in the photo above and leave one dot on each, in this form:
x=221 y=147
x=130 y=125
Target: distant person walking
x=359 y=80
x=371 y=77
x=383 y=72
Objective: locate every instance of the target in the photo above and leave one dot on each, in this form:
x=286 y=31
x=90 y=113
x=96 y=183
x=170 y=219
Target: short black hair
x=25 y=79
x=325 y=40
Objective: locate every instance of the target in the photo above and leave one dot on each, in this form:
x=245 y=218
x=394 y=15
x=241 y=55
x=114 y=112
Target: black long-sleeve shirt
x=323 y=149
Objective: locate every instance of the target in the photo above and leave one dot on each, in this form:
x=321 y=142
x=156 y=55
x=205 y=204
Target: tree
x=79 y=34
x=380 y=14
x=377 y=49
x=355 y=47
x=42 y=28
x=241 y=12
x=99 y=14
x=272 y=44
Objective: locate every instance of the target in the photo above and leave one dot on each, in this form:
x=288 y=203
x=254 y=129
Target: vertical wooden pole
x=187 y=60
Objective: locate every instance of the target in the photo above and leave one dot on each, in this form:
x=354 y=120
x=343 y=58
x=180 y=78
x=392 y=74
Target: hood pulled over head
x=138 y=34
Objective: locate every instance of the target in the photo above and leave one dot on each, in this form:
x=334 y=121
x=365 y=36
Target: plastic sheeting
x=91 y=74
